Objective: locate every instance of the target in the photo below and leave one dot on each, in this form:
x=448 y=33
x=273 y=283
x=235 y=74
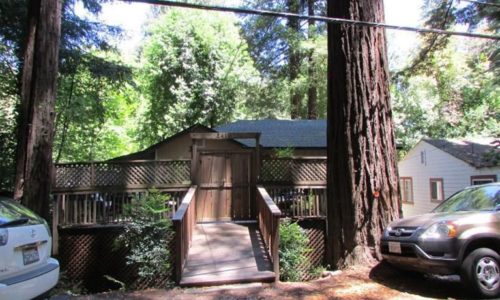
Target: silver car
x=26 y=268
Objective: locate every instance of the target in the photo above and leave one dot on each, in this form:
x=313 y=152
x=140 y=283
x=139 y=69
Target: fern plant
x=146 y=235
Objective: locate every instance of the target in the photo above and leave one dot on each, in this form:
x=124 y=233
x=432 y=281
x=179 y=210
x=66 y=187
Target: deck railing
x=268 y=216
x=184 y=222
x=299 y=201
x=140 y=174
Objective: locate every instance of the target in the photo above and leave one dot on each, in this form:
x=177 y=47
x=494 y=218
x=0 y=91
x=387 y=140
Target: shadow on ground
x=379 y=282
x=415 y=283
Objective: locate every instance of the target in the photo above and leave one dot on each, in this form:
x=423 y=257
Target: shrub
x=293 y=250
x=146 y=235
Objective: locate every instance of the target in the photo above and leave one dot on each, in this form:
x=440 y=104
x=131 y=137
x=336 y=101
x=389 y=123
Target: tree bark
x=294 y=58
x=24 y=109
x=34 y=165
x=312 y=90
x=363 y=194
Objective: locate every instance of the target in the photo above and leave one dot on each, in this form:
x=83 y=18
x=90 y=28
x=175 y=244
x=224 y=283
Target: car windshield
x=475 y=199
x=13 y=213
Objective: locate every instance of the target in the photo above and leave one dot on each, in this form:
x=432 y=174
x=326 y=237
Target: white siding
x=456 y=175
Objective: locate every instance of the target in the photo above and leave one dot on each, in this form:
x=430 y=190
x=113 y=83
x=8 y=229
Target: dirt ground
x=378 y=282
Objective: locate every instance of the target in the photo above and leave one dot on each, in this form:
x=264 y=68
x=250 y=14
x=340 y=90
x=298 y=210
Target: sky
x=132 y=16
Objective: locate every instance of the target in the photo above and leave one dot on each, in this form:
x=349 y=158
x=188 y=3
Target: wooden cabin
x=229 y=193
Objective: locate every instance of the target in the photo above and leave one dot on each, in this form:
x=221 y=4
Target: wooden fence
x=296 y=185
x=184 y=222
x=90 y=208
x=268 y=217
x=124 y=175
x=299 y=171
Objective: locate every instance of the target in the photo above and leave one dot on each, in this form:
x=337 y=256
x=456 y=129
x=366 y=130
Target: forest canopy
x=212 y=68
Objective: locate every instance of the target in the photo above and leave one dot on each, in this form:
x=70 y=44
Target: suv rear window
x=13 y=213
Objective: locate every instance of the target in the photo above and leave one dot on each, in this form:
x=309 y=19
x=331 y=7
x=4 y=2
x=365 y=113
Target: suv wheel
x=481 y=270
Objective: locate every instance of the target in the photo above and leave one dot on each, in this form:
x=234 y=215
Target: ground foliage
x=292 y=250
x=146 y=235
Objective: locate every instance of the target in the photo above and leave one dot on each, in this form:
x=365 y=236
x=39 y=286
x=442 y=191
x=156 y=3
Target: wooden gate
x=226 y=180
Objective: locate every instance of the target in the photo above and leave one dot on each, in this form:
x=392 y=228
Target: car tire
x=481 y=270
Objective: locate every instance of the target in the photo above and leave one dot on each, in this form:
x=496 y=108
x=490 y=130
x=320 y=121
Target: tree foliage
x=196 y=69
x=82 y=43
x=457 y=97
x=291 y=54
x=450 y=88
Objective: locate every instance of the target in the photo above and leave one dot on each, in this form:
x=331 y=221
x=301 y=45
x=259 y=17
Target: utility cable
x=481 y=3
x=315 y=18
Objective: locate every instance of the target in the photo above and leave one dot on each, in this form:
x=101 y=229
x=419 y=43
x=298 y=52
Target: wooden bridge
x=226 y=224
x=226 y=252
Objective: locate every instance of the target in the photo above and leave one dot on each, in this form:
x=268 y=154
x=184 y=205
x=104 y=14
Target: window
x=482 y=179
x=437 y=193
x=406 y=184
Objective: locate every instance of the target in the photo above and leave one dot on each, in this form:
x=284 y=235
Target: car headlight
x=4 y=236
x=440 y=230
x=387 y=230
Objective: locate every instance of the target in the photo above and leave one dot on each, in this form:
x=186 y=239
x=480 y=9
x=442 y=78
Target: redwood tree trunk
x=294 y=59
x=312 y=90
x=362 y=174
x=34 y=164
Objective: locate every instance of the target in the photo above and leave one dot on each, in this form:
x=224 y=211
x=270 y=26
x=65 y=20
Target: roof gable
x=480 y=152
x=149 y=153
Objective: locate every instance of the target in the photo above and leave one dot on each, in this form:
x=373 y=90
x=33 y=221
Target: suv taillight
x=4 y=236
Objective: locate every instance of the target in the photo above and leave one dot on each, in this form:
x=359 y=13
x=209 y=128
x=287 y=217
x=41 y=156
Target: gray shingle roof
x=281 y=133
x=480 y=152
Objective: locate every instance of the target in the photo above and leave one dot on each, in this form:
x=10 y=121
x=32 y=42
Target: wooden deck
x=223 y=253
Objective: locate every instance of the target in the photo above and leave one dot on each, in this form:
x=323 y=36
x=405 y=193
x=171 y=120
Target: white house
x=436 y=168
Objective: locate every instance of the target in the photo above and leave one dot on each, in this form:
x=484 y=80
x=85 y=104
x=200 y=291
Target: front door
x=224 y=181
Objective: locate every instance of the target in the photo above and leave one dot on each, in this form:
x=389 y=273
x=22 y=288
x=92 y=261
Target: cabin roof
x=281 y=133
x=478 y=152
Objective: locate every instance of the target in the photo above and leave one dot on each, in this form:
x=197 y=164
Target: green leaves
x=146 y=235
x=457 y=96
x=292 y=250
x=196 y=69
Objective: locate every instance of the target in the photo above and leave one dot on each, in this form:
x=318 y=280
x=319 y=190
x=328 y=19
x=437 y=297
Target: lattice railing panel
x=73 y=175
x=87 y=255
x=315 y=230
x=173 y=171
x=310 y=171
x=133 y=174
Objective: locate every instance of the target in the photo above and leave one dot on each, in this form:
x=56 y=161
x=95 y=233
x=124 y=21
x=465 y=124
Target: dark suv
x=460 y=236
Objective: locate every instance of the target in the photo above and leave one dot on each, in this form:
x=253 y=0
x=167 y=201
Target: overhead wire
x=280 y=14
x=481 y=3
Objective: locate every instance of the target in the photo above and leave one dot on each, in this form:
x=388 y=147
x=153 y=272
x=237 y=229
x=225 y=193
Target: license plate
x=30 y=255
x=395 y=247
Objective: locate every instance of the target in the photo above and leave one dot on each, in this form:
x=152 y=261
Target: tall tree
x=362 y=174
x=294 y=58
x=444 y=14
x=38 y=95
x=312 y=90
x=289 y=54
x=196 y=69
x=82 y=43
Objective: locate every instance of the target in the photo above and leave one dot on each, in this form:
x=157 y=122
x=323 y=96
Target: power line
x=481 y=3
x=315 y=18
